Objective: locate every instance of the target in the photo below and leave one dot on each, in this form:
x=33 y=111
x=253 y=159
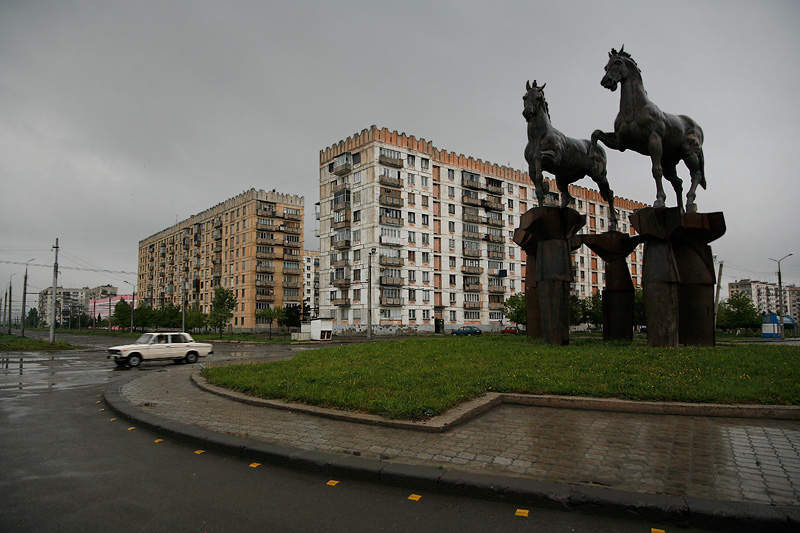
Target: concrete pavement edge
x=677 y=510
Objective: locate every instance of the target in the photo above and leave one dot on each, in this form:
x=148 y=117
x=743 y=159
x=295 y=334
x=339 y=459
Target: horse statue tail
x=702 y=160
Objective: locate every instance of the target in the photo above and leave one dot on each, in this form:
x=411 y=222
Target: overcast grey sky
x=120 y=117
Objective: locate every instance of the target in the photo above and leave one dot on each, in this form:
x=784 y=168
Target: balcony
x=471 y=235
x=265 y=297
x=216 y=271
x=343 y=282
x=494 y=189
x=340 y=263
x=497 y=288
x=492 y=204
x=392 y=241
x=493 y=238
x=391 y=220
x=496 y=255
x=472 y=287
x=390 y=161
x=390 y=261
x=495 y=305
x=291 y=297
x=264 y=227
x=342 y=244
x=269 y=211
x=343 y=168
x=216 y=234
x=471 y=252
x=472 y=305
x=472 y=184
x=495 y=222
x=217 y=248
x=469 y=200
x=477 y=219
x=296 y=231
x=291 y=284
x=390 y=182
x=261 y=269
x=388 y=280
x=392 y=201
x=291 y=244
x=292 y=216
x=496 y=272
x=218 y=222
x=472 y=270
x=391 y=302
x=341 y=302
x=264 y=283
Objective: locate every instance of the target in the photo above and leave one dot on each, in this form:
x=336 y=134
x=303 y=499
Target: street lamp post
x=133 y=305
x=369 y=295
x=24 y=293
x=780 y=295
x=10 y=301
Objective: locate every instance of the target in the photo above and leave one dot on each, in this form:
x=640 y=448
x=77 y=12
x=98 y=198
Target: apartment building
x=411 y=234
x=71 y=301
x=765 y=296
x=251 y=243
x=311 y=281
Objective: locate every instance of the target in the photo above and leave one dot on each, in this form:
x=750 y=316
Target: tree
x=222 y=307
x=577 y=310
x=738 y=311
x=638 y=307
x=270 y=314
x=143 y=317
x=122 y=314
x=33 y=318
x=291 y=316
x=594 y=309
x=195 y=319
x=169 y=316
x=514 y=309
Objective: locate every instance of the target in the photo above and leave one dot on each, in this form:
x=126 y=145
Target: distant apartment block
x=251 y=244
x=765 y=296
x=311 y=281
x=71 y=301
x=430 y=233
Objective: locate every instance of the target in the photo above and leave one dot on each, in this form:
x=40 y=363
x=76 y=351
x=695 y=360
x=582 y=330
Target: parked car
x=179 y=347
x=467 y=330
x=510 y=329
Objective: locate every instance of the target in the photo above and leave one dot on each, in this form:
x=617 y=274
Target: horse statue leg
x=655 y=150
x=671 y=175
x=695 y=165
x=599 y=174
x=539 y=183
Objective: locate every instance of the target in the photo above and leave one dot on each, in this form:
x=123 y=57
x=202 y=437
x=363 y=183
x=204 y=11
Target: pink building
x=105 y=306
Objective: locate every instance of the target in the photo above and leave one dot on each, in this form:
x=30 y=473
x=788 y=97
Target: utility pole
x=716 y=298
x=53 y=299
x=369 y=295
x=24 y=293
x=10 y=302
x=780 y=295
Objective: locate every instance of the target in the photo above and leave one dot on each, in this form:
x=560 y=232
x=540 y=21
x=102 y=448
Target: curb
x=677 y=510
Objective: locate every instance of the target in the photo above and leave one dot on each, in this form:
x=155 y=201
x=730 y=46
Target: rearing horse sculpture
x=644 y=128
x=568 y=159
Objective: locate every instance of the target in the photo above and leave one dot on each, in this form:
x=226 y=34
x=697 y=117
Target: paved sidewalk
x=693 y=470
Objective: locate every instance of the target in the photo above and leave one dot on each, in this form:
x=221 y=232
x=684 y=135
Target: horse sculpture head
x=534 y=101
x=619 y=67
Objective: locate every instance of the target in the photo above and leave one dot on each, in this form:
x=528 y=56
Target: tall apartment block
x=311 y=281
x=251 y=243
x=71 y=301
x=765 y=296
x=411 y=233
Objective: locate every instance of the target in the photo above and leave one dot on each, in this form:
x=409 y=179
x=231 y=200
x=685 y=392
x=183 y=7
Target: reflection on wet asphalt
x=27 y=373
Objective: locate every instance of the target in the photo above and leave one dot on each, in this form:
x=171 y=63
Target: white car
x=179 y=347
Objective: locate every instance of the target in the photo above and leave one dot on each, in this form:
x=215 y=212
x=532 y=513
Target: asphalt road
x=66 y=464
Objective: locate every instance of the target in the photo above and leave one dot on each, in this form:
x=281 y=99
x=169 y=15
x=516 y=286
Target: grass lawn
x=15 y=343
x=422 y=377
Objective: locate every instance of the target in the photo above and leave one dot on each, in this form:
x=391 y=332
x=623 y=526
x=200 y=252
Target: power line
x=101 y=270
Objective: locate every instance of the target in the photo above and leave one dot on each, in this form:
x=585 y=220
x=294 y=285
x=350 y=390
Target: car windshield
x=144 y=339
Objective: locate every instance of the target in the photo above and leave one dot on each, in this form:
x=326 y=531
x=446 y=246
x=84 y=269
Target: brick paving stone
x=711 y=458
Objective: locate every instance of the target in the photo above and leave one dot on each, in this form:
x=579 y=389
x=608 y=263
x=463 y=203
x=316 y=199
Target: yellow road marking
x=654 y=530
x=158 y=440
x=130 y=428
x=415 y=497
x=255 y=465
x=198 y=452
x=101 y=410
x=333 y=483
x=112 y=419
x=522 y=512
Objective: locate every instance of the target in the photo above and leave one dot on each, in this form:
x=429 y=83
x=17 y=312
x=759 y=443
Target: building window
x=412 y=314
x=425 y=163
x=451 y=174
x=451 y=227
x=410 y=160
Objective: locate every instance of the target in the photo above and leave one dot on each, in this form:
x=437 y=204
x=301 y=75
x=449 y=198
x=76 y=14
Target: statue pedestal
x=660 y=276
x=614 y=247
x=533 y=316
x=551 y=228
x=696 y=270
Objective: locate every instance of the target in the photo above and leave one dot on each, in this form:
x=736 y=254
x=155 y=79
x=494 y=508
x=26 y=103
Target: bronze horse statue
x=644 y=128
x=568 y=159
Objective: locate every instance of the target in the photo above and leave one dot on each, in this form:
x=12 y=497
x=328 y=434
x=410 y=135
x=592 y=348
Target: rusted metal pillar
x=660 y=275
x=614 y=247
x=552 y=228
x=696 y=268
x=533 y=317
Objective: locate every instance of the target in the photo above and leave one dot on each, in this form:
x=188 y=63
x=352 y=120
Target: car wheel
x=134 y=360
x=191 y=357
